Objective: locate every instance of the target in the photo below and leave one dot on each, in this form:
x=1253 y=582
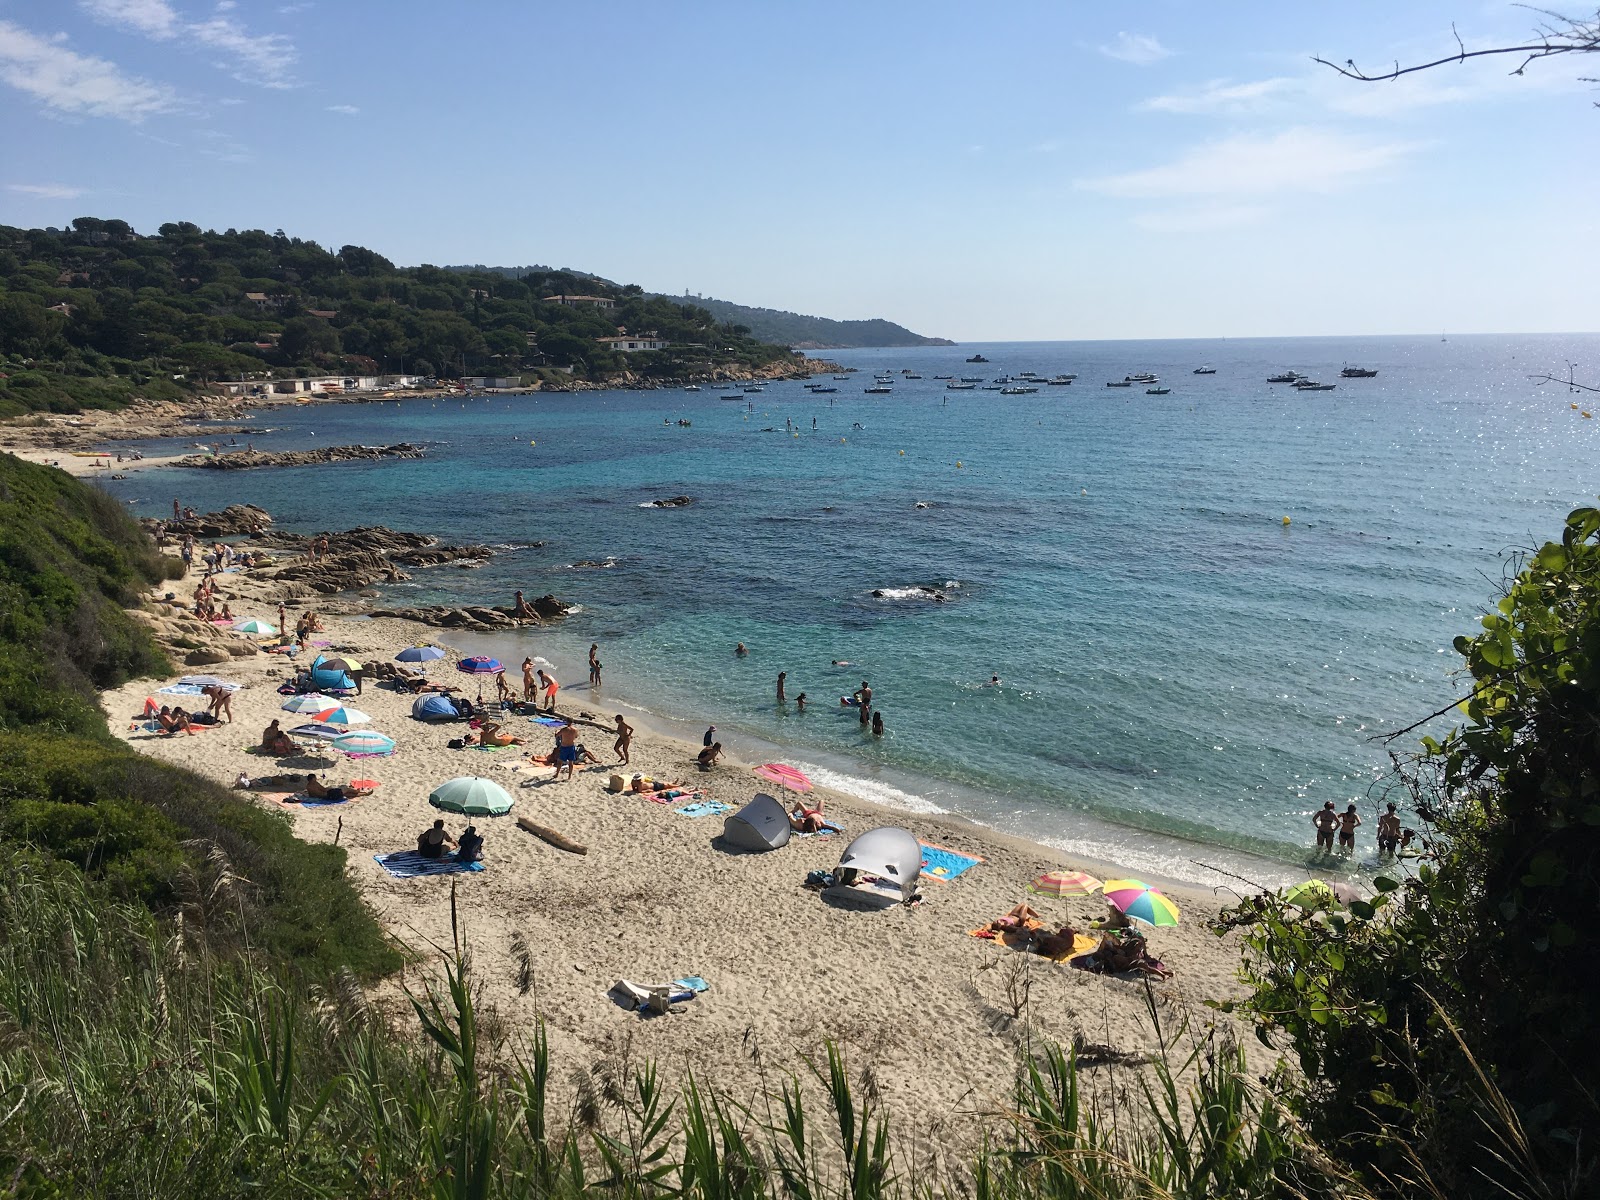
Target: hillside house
x=580 y=301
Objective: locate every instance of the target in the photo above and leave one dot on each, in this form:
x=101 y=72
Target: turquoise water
x=1176 y=662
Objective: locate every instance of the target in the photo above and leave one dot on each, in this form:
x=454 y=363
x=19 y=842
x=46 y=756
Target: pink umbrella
x=784 y=777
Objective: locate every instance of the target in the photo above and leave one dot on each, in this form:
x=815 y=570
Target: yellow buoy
x=531 y=442
x=1286 y=520
x=902 y=454
x=959 y=463
x=841 y=439
x=1574 y=407
x=1588 y=416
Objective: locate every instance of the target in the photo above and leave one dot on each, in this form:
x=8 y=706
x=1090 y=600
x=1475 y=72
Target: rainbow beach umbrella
x=1138 y=900
x=254 y=626
x=1065 y=883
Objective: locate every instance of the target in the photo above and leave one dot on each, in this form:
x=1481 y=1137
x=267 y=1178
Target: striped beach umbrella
x=337 y=714
x=1065 y=883
x=311 y=702
x=1137 y=899
x=480 y=664
x=364 y=742
x=254 y=626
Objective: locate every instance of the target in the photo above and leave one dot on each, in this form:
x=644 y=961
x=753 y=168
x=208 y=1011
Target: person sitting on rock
x=522 y=608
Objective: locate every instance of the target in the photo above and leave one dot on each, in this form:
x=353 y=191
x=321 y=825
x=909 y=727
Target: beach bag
x=455 y=744
x=615 y=784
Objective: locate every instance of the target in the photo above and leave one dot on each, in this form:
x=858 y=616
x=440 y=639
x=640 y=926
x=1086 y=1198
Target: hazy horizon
x=1034 y=173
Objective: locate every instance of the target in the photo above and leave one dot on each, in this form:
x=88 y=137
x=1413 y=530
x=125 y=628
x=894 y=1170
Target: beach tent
x=330 y=681
x=760 y=825
x=893 y=855
x=434 y=708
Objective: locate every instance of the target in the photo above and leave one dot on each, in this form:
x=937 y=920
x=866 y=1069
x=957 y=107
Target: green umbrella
x=471 y=796
x=1311 y=895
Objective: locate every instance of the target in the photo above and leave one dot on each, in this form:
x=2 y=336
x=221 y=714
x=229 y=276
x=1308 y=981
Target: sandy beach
x=935 y=1017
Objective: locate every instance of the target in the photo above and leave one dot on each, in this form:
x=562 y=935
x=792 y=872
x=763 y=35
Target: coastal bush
x=1446 y=1029
x=70 y=558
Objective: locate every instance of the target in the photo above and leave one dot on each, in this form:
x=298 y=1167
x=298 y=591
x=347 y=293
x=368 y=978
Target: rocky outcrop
x=674 y=502
x=343 y=571
x=478 y=619
x=237 y=520
x=242 y=460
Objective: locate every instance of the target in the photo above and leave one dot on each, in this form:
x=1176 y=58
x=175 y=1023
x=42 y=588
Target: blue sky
x=1023 y=170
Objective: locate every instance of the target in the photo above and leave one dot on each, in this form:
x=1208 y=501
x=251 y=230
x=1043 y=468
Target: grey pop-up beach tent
x=893 y=855
x=760 y=825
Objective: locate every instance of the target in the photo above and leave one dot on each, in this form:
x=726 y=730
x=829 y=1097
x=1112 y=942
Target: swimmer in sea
x=740 y=650
x=994 y=681
x=841 y=662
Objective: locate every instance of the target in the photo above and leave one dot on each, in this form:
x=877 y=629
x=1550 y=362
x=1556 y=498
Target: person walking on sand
x=1347 y=830
x=1325 y=821
x=782 y=675
x=528 y=690
x=548 y=683
x=567 y=749
x=711 y=731
x=624 y=740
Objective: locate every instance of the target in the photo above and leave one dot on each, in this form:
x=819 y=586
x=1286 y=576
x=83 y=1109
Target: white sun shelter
x=763 y=824
x=893 y=859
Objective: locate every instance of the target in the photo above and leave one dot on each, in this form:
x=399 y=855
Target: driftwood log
x=559 y=840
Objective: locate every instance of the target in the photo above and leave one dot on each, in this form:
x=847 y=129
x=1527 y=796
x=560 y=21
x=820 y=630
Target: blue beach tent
x=328 y=680
x=434 y=708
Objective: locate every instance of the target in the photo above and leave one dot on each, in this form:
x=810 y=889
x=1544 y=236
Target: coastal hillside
x=795 y=330
x=813 y=333
x=99 y=313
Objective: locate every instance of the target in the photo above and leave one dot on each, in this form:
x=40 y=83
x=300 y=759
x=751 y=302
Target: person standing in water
x=741 y=650
x=1347 y=830
x=877 y=724
x=864 y=700
x=1388 y=833
x=1325 y=821
x=594 y=664
x=782 y=675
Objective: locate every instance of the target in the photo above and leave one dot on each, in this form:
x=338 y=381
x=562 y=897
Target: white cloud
x=1202 y=220
x=46 y=191
x=1301 y=159
x=1138 y=48
x=1221 y=96
x=153 y=18
x=264 y=59
x=348 y=110
x=76 y=84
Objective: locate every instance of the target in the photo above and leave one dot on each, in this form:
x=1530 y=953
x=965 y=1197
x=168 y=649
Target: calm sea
x=1185 y=676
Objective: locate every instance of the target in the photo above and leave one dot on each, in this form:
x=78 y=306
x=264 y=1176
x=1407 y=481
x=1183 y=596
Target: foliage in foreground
x=70 y=558
x=1447 y=1029
x=137 y=1061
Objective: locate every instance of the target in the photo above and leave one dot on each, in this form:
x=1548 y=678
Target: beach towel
x=551 y=722
x=693 y=983
x=179 y=689
x=703 y=808
x=408 y=864
x=671 y=795
x=827 y=830
x=944 y=865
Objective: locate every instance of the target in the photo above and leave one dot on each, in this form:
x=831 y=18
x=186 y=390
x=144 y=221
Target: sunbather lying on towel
x=1014 y=928
x=315 y=788
x=808 y=820
x=492 y=734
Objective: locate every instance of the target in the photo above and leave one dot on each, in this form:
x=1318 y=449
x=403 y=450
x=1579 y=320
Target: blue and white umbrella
x=323 y=733
x=420 y=654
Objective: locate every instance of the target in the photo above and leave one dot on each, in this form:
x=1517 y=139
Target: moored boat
x=1205 y=370
x=1118 y=383
x=1357 y=373
x=960 y=387
x=877 y=390
x=692 y=387
x=1158 y=391
x=977 y=358
x=1286 y=377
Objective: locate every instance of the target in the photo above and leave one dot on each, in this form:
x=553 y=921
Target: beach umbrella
x=348 y=665
x=1065 y=883
x=784 y=776
x=364 y=742
x=471 y=796
x=311 y=702
x=1311 y=895
x=1136 y=899
x=478 y=664
x=208 y=681
x=254 y=626
x=323 y=733
x=419 y=654
x=337 y=714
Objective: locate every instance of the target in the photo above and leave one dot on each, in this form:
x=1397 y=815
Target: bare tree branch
x=1564 y=35
x=1570 y=382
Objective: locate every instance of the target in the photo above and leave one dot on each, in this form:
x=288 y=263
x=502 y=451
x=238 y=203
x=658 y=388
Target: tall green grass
x=140 y=1059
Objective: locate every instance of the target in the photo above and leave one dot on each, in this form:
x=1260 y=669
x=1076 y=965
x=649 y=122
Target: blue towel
x=552 y=722
x=180 y=689
x=408 y=864
x=825 y=831
x=693 y=982
x=703 y=808
x=939 y=863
